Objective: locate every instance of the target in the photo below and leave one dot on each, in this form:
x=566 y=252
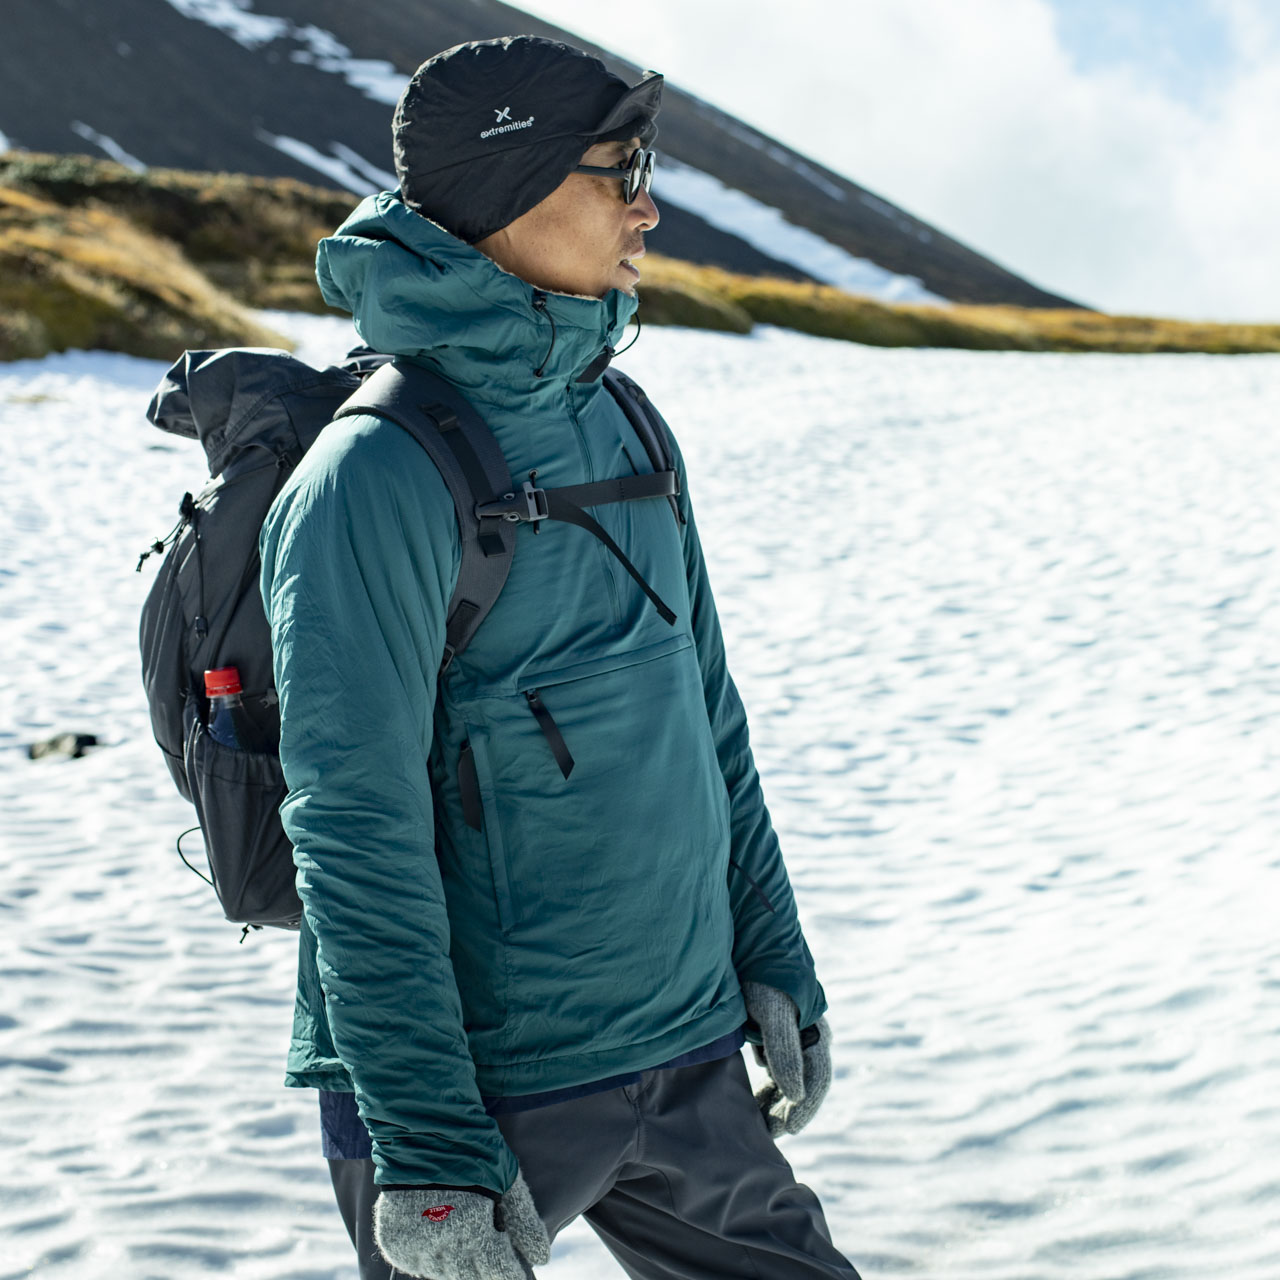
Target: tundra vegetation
x=93 y=254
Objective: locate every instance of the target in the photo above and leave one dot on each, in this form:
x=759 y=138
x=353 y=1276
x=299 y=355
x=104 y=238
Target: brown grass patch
x=831 y=313
x=88 y=279
x=255 y=238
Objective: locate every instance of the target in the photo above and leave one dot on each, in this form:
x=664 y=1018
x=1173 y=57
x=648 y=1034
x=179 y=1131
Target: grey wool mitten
x=449 y=1234
x=799 y=1075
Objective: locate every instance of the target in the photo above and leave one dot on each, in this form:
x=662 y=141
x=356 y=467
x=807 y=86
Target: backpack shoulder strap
x=471 y=462
x=647 y=423
x=486 y=502
x=567 y=503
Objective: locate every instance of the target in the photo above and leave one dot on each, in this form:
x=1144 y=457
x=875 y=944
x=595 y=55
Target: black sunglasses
x=637 y=173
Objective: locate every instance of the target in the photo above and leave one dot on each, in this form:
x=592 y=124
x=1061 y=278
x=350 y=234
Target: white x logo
x=504 y=114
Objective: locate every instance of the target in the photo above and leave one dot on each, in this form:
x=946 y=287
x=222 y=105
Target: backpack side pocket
x=237 y=795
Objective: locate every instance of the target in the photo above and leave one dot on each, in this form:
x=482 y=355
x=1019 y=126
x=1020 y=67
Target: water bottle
x=229 y=722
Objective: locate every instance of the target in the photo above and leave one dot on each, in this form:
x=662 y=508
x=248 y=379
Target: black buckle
x=537 y=500
x=529 y=506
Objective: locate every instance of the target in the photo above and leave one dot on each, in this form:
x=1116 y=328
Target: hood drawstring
x=632 y=343
x=540 y=305
x=608 y=354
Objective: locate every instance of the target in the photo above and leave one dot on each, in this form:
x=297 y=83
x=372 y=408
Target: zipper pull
x=550 y=731
x=469 y=788
x=597 y=366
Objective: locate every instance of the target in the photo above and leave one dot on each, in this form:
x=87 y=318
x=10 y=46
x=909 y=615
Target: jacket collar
x=413 y=289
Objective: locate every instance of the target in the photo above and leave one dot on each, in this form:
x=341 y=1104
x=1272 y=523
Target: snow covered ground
x=1007 y=626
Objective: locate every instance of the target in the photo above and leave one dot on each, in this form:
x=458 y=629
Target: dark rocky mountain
x=303 y=88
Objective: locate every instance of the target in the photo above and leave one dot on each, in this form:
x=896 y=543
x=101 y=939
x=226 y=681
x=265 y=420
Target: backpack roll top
x=245 y=398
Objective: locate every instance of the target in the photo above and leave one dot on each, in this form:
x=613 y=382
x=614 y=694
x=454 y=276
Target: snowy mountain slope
x=303 y=88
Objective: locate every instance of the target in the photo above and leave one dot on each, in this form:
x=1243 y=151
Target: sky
x=1124 y=153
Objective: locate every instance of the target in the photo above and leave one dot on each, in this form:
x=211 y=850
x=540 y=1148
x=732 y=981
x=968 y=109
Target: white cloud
x=1097 y=184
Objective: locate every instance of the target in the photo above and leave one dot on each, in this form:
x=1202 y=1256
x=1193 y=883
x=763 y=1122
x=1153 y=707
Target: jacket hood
x=415 y=290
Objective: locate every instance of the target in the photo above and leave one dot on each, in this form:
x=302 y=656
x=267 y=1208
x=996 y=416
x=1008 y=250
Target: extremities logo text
x=505 y=114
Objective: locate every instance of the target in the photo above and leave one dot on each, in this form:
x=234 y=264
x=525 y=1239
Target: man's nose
x=644 y=205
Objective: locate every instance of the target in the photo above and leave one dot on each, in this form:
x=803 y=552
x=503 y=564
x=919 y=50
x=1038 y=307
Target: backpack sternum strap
x=663 y=484
x=471 y=462
x=531 y=505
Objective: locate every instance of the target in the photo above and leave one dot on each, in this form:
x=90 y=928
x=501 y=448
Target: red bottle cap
x=223 y=681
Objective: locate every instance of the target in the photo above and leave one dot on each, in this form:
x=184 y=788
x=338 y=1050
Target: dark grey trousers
x=677 y=1174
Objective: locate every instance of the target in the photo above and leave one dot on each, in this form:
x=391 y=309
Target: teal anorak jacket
x=599 y=923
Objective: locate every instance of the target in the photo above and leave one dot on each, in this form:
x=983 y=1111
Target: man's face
x=582 y=236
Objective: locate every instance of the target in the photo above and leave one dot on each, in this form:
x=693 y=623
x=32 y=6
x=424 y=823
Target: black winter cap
x=486 y=130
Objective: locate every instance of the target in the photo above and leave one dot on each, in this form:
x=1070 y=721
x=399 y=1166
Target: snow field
x=1006 y=626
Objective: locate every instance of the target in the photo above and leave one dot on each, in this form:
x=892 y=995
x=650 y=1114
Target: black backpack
x=256 y=412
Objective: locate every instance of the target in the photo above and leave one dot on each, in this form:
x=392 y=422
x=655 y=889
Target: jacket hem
x=496 y=1080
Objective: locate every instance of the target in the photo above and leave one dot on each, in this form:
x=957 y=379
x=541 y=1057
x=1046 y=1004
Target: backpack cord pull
x=155 y=549
x=186 y=510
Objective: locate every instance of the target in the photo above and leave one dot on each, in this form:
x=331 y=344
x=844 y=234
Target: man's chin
x=627 y=280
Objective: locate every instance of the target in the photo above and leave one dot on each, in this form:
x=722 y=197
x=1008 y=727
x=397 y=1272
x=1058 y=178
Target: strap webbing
x=560 y=508
x=450 y=429
x=551 y=731
x=621 y=489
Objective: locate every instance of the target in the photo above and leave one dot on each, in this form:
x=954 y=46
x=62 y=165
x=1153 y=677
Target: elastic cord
x=632 y=343
x=540 y=304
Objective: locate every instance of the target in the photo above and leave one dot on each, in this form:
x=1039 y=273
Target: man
x=542 y=893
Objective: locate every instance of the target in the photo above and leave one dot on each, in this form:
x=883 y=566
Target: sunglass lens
x=639 y=174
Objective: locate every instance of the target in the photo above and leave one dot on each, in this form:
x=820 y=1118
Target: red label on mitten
x=439 y=1213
